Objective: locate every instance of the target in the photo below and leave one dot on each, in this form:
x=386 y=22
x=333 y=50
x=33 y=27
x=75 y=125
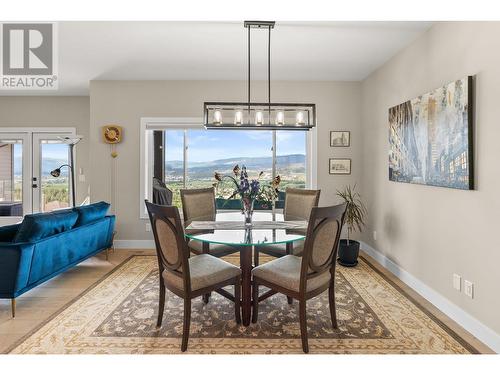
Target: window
x=27 y=155
x=291 y=158
x=11 y=176
x=189 y=156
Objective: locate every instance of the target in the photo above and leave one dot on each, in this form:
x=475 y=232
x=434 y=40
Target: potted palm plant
x=354 y=219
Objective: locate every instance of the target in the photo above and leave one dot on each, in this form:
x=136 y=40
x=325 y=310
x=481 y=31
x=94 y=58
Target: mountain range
x=292 y=162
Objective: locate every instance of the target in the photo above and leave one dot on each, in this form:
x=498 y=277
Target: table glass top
x=250 y=236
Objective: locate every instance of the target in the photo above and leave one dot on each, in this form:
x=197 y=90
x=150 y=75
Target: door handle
x=34 y=186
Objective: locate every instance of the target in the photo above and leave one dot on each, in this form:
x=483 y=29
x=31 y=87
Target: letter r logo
x=27 y=49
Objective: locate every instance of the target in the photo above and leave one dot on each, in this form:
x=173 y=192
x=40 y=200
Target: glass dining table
x=229 y=229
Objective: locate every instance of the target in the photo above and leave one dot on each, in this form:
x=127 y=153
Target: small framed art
x=340 y=138
x=340 y=166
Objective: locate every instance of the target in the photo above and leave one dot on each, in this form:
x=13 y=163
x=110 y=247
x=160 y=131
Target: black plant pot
x=348 y=254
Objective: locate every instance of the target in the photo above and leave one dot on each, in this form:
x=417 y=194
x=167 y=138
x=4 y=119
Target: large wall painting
x=430 y=138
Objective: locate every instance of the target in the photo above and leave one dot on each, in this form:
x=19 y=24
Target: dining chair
x=298 y=206
x=185 y=276
x=305 y=277
x=199 y=205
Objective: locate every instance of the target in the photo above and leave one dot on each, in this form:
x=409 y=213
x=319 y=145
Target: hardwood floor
x=39 y=304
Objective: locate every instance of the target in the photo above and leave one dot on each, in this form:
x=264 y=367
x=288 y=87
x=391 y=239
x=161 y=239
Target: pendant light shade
x=259 y=116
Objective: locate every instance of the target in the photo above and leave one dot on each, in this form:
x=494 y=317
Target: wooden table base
x=246 y=283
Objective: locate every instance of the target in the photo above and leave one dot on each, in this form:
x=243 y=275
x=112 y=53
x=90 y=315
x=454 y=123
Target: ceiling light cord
x=269 y=72
x=249 y=101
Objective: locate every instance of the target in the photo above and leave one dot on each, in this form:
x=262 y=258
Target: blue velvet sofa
x=45 y=245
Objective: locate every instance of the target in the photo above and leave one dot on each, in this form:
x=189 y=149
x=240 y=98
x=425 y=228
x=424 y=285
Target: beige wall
x=434 y=232
x=52 y=111
x=125 y=102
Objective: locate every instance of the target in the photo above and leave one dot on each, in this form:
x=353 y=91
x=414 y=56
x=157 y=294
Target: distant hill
x=293 y=162
x=48 y=165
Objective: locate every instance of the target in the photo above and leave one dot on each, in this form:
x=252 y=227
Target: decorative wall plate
x=112 y=134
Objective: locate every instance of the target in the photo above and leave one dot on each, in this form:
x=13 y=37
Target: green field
x=176 y=186
x=53 y=190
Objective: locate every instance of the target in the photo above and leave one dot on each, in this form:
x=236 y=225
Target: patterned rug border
x=419 y=305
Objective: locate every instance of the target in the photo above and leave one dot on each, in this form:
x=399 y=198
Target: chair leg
x=13 y=307
x=303 y=325
x=161 y=306
x=255 y=256
x=237 y=300
x=107 y=253
x=289 y=251
x=333 y=309
x=205 y=250
x=187 y=322
x=255 y=302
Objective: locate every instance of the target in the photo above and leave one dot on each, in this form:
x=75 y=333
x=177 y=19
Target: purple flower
x=244 y=185
x=254 y=186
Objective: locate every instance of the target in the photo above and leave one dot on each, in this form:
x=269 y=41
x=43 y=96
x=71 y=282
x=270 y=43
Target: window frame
x=186 y=123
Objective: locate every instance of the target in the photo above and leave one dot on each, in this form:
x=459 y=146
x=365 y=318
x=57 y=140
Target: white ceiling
x=318 y=51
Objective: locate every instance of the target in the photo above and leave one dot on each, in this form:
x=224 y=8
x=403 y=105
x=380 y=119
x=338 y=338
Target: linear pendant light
x=259 y=116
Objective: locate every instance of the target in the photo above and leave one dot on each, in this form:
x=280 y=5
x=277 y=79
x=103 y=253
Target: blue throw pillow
x=37 y=226
x=8 y=232
x=91 y=213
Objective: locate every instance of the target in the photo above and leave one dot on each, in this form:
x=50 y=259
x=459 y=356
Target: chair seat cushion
x=206 y=270
x=280 y=249
x=214 y=248
x=285 y=272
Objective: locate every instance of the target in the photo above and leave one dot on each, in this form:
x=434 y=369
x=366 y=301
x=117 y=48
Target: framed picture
x=340 y=138
x=430 y=138
x=340 y=166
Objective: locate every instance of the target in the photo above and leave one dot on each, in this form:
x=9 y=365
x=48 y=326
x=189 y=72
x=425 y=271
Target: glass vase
x=247 y=209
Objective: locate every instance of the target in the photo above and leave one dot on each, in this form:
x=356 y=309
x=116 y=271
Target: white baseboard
x=134 y=244
x=464 y=319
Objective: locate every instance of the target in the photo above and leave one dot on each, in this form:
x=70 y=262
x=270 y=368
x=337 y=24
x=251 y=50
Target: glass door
x=50 y=191
x=15 y=188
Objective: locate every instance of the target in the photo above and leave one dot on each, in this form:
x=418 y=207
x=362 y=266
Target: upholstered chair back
x=198 y=204
x=322 y=240
x=170 y=243
x=299 y=203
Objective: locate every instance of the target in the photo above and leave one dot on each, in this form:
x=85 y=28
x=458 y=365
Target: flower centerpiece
x=249 y=190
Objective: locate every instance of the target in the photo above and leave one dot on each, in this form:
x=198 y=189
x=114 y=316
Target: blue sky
x=53 y=151
x=220 y=144
x=212 y=145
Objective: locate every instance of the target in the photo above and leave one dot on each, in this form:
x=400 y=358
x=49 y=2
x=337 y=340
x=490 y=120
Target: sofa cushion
x=91 y=213
x=37 y=226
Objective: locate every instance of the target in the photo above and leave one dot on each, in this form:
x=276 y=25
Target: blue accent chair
x=45 y=245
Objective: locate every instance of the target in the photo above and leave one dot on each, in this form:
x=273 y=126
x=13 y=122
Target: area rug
x=118 y=316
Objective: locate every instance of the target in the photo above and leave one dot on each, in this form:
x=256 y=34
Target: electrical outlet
x=148 y=227
x=375 y=235
x=469 y=289
x=457 y=282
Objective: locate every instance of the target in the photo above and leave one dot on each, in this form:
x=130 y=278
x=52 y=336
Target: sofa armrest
x=112 y=222
x=15 y=263
x=8 y=232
